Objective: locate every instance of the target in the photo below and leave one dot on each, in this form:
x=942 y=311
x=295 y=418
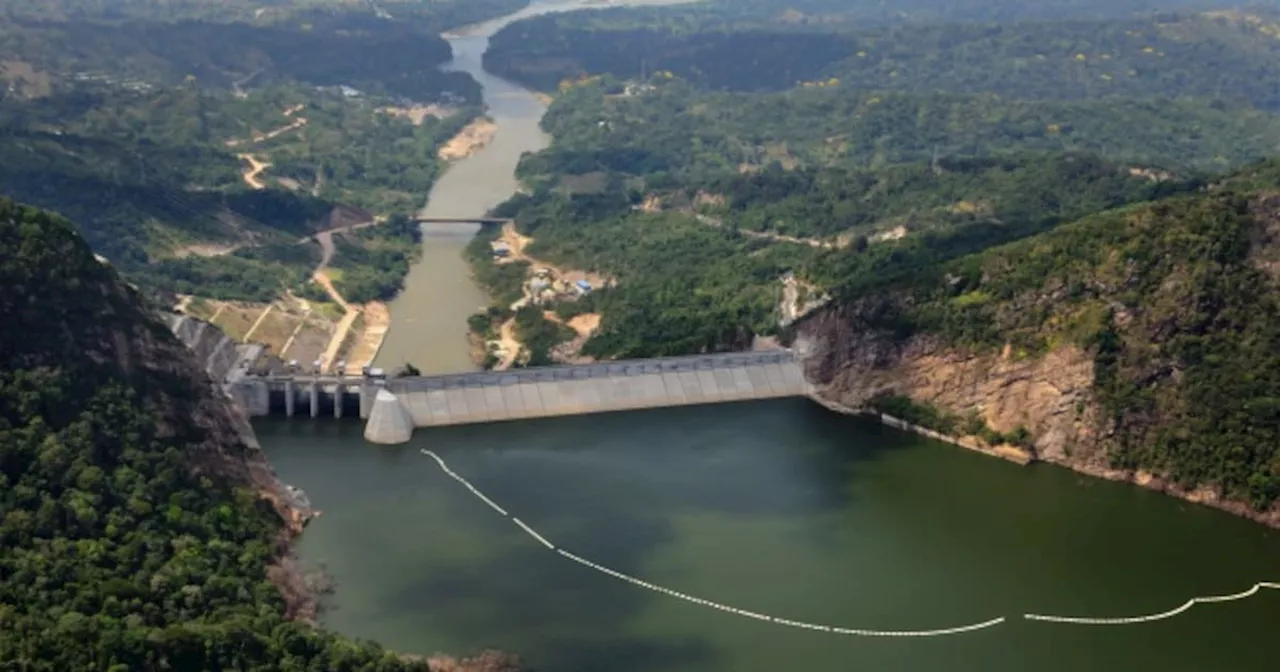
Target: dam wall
x=394 y=406
x=597 y=388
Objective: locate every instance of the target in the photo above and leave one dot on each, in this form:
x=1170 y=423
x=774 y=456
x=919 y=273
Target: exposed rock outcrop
x=850 y=363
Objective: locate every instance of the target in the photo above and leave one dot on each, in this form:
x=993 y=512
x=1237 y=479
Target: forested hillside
x=159 y=180
x=1176 y=302
x=320 y=44
x=1223 y=54
x=137 y=526
x=698 y=264
x=676 y=130
x=196 y=149
x=196 y=143
x=443 y=14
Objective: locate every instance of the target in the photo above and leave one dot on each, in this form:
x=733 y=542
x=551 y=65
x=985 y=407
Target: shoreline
x=1203 y=495
x=1003 y=452
x=473 y=137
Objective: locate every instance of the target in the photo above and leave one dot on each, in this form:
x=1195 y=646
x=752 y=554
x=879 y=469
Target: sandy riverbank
x=469 y=140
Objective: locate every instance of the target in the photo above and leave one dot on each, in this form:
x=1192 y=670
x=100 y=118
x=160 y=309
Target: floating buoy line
x=830 y=628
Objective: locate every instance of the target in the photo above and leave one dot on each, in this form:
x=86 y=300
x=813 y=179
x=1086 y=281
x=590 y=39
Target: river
x=429 y=318
x=781 y=508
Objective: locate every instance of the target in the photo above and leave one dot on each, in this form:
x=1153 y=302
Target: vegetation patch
x=124 y=476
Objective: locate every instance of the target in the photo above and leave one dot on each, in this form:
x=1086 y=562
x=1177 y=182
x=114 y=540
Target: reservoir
x=780 y=508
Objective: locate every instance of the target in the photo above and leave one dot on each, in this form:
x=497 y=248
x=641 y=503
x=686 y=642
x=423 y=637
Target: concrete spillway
x=431 y=401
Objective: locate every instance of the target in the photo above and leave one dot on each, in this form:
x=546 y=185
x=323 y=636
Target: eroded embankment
x=1050 y=395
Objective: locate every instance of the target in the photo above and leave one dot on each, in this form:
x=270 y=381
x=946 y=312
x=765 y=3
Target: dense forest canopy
x=675 y=129
x=1230 y=55
x=389 y=57
x=754 y=13
x=1178 y=302
x=828 y=202
x=135 y=535
x=441 y=14
x=698 y=268
x=149 y=175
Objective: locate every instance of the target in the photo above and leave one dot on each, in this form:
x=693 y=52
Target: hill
x=699 y=264
x=444 y=14
x=318 y=45
x=678 y=130
x=162 y=179
x=198 y=145
x=1136 y=343
x=1224 y=54
x=142 y=527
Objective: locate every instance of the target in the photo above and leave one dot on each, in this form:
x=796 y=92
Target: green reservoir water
x=781 y=508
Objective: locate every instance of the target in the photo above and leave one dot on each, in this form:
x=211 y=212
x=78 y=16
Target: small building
x=500 y=249
x=538 y=284
x=541 y=272
x=582 y=287
x=637 y=89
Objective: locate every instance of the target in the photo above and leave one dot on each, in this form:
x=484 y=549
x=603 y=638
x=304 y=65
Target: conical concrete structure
x=389 y=423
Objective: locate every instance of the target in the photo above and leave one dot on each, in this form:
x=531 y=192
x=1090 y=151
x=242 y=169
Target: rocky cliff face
x=850 y=363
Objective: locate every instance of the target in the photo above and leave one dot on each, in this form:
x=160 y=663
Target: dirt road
x=510 y=345
x=297 y=123
x=255 y=169
x=518 y=243
x=769 y=235
x=256 y=165
x=583 y=325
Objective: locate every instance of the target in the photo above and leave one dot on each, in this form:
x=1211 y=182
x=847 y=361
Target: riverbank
x=472 y=138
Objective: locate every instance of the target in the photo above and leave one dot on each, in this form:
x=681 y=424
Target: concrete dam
x=393 y=407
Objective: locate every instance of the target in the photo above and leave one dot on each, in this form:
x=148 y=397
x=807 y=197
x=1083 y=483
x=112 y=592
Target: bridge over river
x=461 y=220
x=393 y=407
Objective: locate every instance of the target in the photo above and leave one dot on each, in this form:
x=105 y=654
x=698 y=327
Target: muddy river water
x=780 y=508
